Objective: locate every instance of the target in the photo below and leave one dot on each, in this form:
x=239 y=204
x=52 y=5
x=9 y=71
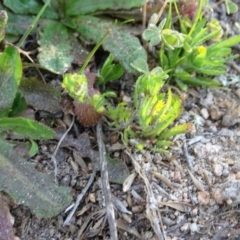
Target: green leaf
x=140 y=65
x=18 y=24
x=179 y=129
x=226 y=43
x=27 y=128
x=34 y=149
x=124 y=47
x=202 y=81
x=55 y=49
x=76 y=7
x=10 y=75
x=3 y=21
x=231 y=7
x=18 y=106
x=39 y=95
x=152 y=35
x=28 y=186
x=110 y=71
x=29 y=7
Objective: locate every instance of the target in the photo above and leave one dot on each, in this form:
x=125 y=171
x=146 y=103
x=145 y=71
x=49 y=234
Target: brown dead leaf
x=180 y=206
x=125 y=226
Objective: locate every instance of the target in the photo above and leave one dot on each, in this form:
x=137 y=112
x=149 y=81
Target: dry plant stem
x=235 y=66
x=79 y=199
x=53 y=157
x=161 y=11
x=188 y=157
x=106 y=186
x=144 y=21
x=152 y=211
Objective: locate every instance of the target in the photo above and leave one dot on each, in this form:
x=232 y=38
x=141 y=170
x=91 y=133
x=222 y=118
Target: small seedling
x=109 y=71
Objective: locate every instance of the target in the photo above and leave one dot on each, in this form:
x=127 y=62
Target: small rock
x=215 y=113
x=218 y=196
x=203 y=197
x=194 y=227
x=204 y=113
x=237 y=92
x=236 y=168
x=225 y=172
x=237 y=176
x=217 y=170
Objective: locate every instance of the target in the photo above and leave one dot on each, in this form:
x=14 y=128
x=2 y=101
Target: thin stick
x=79 y=199
x=53 y=157
x=35 y=20
x=188 y=157
x=106 y=186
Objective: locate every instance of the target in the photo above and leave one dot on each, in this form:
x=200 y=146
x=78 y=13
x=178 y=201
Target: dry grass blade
x=196 y=183
x=180 y=206
x=128 y=182
x=125 y=226
x=163 y=179
x=105 y=183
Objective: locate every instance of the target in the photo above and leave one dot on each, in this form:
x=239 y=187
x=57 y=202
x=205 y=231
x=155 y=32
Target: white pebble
x=194 y=227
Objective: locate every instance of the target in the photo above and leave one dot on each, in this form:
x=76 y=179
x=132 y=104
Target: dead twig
x=53 y=157
x=79 y=199
x=106 y=186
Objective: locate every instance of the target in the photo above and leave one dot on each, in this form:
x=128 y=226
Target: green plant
x=62 y=20
x=18 y=178
x=156 y=111
x=193 y=54
x=109 y=71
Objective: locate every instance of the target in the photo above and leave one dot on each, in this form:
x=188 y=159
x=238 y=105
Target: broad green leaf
x=18 y=24
x=140 y=65
x=29 y=7
x=10 y=75
x=231 y=6
x=3 y=21
x=59 y=48
x=27 y=186
x=39 y=95
x=76 y=7
x=124 y=47
x=26 y=127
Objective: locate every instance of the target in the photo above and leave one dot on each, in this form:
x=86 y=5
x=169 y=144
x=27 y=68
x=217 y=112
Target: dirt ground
x=195 y=188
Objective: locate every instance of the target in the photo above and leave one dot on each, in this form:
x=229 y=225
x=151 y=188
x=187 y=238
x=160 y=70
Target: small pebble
x=194 y=227
x=237 y=176
x=225 y=172
x=204 y=113
x=185 y=227
x=217 y=170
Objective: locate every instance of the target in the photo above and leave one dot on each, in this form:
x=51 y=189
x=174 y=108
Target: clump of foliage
x=18 y=178
x=195 y=52
x=152 y=112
